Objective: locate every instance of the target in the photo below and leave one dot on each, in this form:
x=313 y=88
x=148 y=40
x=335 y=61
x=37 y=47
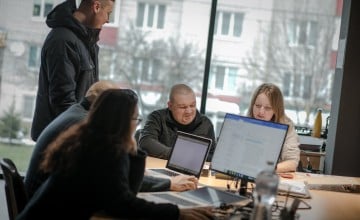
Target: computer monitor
x=246 y=145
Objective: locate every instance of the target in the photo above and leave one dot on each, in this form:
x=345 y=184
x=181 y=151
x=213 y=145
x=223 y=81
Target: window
x=224 y=78
x=28 y=106
x=297 y=86
x=115 y=15
x=42 y=7
x=250 y=46
x=286 y=84
x=302 y=33
x=147 y=69
x=307 y=87
x=150 y=15
x=34 y=57
x=228 y=23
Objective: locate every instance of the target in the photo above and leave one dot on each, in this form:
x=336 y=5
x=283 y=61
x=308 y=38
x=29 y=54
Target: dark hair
x=106 y=130
x=112 y=113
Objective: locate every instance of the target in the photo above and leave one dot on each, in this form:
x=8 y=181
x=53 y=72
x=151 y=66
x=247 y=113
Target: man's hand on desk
x=183 y=182
x=200 y=213
x=287 y=175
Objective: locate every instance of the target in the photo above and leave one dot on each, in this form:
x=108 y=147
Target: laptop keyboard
x=166 y=172
x=175 y=200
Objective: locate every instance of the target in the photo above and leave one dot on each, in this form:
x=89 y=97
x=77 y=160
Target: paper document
x=297 y=188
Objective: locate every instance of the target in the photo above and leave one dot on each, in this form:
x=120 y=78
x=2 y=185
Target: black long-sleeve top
x=103 y=183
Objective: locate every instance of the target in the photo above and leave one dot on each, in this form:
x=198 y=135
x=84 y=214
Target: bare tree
x=295 y=53
x=154 y=65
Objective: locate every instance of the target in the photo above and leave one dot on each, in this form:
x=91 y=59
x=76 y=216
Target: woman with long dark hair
x=95 y=166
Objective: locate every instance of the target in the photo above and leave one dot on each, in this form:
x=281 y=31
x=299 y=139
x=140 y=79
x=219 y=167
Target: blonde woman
x=267 y=104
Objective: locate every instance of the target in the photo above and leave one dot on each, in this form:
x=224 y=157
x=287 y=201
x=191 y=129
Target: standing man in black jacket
x=69 y=58
x=160 y=130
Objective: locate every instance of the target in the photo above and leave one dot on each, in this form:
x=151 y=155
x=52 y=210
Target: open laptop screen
x=189 y=153
x=245 y=145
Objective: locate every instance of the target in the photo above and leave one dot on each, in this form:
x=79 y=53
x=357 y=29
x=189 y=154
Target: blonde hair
x=276 y=101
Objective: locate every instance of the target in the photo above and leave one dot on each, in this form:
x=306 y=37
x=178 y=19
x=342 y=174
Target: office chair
x=16 y=196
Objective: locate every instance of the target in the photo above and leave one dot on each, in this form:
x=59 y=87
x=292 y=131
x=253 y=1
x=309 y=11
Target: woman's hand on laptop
x=183 y=182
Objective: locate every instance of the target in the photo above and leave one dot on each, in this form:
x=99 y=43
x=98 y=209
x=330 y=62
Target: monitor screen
x=246 y=145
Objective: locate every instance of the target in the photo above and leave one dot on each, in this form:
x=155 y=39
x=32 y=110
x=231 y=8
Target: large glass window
x=155 y=44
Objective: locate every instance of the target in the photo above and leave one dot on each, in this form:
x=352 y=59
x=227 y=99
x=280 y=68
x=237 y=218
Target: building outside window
x=302 y=33
x=150 y=15
x=34 y=57
x=229 y=23
x=28 y=106
x=42 y=7
x=147 y=69
x=224 y=78
x=298 y=86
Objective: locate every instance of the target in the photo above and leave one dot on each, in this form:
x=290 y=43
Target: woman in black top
x=95 y=167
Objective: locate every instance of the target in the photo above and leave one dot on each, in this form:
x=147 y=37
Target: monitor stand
x=243 y=188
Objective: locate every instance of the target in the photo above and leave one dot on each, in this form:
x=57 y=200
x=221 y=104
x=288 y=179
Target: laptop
x=202 y=197
x=246 y=145
x=188 y=155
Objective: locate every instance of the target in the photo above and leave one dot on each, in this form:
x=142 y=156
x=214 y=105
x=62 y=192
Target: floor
x=3 y=206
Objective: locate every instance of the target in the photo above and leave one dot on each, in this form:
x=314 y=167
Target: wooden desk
x=325 y=205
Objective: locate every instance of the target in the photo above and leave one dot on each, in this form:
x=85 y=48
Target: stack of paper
x=291 y=187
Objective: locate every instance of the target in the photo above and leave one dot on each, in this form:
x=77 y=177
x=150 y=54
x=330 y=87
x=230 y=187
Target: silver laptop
x=201 y=197
x=187 y=156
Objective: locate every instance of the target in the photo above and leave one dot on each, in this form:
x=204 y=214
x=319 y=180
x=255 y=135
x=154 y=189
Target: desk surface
x=325 y=205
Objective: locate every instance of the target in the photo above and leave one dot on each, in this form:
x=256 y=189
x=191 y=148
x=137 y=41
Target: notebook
x=293 y=187
x=201 y=197
x=187 y=156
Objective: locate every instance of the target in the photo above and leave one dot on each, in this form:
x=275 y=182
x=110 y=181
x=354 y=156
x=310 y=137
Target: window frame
x=219 y=24
x=155 y=18
x=298 y=29
x=227 y=73
x=37 y=50
x=42 y=15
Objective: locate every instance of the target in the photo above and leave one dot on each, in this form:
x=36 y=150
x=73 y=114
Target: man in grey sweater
x=160 y=130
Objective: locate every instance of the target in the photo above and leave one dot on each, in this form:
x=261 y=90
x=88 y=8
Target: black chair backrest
x=16 y=196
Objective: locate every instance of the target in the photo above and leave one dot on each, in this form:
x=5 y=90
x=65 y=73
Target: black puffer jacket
x=69 y=65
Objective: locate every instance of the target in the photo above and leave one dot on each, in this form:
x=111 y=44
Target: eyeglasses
x=138 y=120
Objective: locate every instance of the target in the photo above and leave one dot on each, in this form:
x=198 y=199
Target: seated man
x=77 y=112
x=159 y=133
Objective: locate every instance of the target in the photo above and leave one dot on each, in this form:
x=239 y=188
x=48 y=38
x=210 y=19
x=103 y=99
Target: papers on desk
x=296 y=188
x=309 y=143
